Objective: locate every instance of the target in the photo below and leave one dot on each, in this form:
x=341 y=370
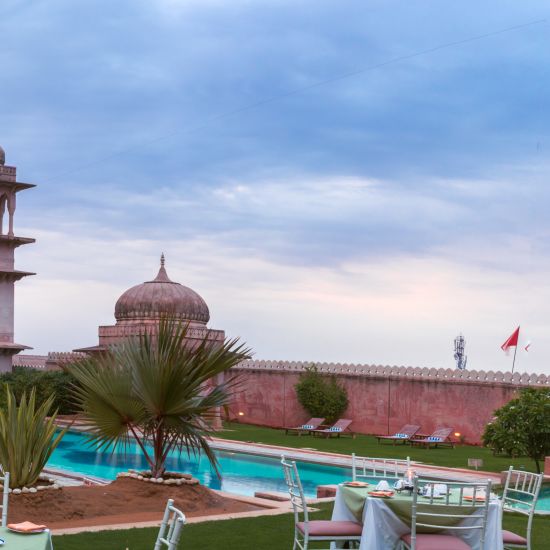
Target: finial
x=162 y=276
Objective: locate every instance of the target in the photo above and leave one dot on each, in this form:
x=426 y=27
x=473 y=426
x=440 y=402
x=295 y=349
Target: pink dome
x=161 y=297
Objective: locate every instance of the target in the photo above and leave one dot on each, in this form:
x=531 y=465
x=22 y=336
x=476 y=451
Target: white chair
x=317 y=530
x=468 y=514
x=5 y=480
x=521 y=492
x=170 y=528
x=367 y=467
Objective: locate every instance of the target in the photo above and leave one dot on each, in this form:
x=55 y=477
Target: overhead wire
x=301 y=89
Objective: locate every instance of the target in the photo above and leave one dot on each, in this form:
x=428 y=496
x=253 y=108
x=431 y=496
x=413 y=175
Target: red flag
x=512 y=341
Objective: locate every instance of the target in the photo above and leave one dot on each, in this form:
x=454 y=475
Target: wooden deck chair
x=408 y=431
x=306 y=531
x=339 y=428
x=520 y=495
x=440 y=437
x=170 y=528
x=311 y=424
x=463 y=515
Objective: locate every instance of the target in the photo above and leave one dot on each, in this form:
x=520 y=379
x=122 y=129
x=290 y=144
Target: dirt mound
x=125 y=500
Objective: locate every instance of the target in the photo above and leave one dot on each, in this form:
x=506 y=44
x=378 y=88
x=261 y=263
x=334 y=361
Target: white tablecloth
x=382 y=529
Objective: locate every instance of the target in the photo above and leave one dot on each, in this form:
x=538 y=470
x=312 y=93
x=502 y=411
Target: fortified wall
x=381 y=398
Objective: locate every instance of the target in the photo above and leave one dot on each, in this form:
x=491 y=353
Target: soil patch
x=125 y=500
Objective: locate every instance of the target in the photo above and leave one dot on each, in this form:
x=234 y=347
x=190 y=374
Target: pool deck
x=334 y=459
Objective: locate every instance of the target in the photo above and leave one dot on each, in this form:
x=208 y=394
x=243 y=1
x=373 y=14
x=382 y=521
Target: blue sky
x=369 y=219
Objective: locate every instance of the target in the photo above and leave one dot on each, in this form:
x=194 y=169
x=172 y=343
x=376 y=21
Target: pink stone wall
x=377 y=405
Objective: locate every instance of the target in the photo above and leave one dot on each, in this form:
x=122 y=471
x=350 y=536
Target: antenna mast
x=460 y=356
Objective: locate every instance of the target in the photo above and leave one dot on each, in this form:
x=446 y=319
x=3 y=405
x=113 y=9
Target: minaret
x=9 y=187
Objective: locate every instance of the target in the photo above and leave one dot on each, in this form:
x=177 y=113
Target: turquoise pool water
x=241 y=473
x=543 y=504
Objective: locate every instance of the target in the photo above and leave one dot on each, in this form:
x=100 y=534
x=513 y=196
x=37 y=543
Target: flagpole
x=514 y=361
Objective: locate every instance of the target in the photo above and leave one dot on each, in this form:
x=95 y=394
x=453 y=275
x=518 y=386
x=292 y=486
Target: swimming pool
x=242 y=474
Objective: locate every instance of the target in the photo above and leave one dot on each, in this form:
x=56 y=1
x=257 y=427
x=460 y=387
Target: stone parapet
x=30 y=361
x=8 y=173
x=415 y=373
x=56 y=359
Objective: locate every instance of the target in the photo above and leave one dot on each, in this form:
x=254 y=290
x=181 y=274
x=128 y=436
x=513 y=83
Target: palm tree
x=156 y=389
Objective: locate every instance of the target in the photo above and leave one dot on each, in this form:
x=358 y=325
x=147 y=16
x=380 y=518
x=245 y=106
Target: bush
x=47 y=383
x=321 y=395
x=522 y=426
x=27 y=437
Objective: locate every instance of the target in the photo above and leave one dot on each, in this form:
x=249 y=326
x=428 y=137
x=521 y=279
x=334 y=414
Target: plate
x=26 y=532
x=381 y=494
x=356 y=484
x=478 y=499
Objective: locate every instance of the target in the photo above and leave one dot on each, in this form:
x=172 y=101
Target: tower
x=460 y=353
x=9 y=187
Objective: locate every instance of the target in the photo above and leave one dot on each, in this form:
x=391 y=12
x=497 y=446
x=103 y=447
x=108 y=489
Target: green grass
x=365 y=445
x=264 y=533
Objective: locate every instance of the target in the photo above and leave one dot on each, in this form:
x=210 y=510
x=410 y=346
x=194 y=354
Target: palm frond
x=159 y=388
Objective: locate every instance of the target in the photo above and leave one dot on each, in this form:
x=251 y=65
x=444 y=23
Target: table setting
x=25 y=536
x=385 y=512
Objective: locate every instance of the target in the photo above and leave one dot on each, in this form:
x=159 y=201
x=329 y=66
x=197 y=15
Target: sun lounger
x=340 y=428
x=407 y=432
x=439 y=437
x=311 y=424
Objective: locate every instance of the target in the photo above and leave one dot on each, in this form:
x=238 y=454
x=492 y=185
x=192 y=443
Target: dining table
x=20 y=541
x=385 y=520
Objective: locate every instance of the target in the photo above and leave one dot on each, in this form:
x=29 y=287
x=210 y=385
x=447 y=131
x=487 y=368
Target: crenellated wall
x=382 y=399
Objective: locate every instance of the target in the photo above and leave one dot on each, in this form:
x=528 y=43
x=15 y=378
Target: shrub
x=27 y=437
x=522 y=426
x=321 y=395
x=57 y=384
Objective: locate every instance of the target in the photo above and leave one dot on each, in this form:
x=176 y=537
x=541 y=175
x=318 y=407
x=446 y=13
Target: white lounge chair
x=520 y=495
x=306 y=530
x=170 y=528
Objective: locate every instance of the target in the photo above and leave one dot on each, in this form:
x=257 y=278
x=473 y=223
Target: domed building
x=141 y=307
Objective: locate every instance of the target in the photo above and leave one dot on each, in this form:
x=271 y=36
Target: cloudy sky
x=340 y=180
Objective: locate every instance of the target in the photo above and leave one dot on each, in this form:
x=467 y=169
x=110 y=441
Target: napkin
x=383 y=486
x=26 y=527
x=432 y=490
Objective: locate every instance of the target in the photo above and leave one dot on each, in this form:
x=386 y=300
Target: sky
x=341 y=181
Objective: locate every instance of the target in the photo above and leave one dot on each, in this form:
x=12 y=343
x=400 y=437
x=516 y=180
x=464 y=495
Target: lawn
x=365 y=445
x=264 y=533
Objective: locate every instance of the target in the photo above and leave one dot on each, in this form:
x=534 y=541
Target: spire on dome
x=162 y=276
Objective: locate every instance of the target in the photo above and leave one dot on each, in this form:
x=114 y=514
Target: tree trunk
x=158 y=449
